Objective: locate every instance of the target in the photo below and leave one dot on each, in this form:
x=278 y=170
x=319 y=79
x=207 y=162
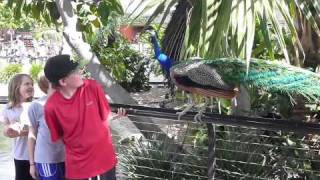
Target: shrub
x=158 y=160
x=9 y=71
x=127 y=66
x=35 y=71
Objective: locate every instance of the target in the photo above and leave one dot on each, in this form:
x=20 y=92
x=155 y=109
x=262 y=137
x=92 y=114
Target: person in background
x=16 y=123
x=78 y=112
x=46 y=158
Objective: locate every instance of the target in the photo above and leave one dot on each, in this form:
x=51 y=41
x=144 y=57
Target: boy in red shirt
x=78 y=113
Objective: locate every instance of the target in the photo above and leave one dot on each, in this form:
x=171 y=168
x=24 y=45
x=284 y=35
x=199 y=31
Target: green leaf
x=47 y=17
x=269 y=7
x=250 y=31
x=10 y=3
x=266 y=35
x=167 y=12
x=18 y=9
x=96 y=23
x=150 y=5
x=91 y=17
x=303 y=5
x=53 y=10
x=221 y=25
x=104 y=13
x=156 y=12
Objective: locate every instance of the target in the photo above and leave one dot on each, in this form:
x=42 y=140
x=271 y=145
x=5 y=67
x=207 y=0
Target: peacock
x=163 y=59
x=222 y=78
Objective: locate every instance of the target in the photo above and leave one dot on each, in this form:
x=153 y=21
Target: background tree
x=77 y=20
x=8 y=21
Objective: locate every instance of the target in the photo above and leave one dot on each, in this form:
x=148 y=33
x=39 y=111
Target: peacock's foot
x=180 y=114
x=198 y=116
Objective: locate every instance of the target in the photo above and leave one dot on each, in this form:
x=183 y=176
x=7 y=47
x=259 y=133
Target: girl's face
x=26 y=88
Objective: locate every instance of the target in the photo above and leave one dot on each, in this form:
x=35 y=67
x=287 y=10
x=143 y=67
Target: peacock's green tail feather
x=271 y=76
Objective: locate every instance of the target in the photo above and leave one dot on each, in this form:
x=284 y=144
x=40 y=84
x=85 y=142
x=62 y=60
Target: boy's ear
x=62 y=82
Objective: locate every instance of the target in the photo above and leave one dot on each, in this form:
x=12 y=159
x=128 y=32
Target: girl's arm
x=32 y=136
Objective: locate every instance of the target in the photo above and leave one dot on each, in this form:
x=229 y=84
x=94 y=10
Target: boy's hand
x=121 y=112
x=33 y=171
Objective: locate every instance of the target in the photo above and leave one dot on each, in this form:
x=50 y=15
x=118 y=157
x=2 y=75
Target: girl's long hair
x=14 y=90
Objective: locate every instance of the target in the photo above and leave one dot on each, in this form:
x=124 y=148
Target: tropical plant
x=153 y=159
x=9 y=71
x=219 y=28
x=127 y=66
x=35 y=71
x=8 y=20
x=91 y=14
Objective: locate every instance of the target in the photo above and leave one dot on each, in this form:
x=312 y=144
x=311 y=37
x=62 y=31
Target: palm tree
x=226 y=28
x=309 y=37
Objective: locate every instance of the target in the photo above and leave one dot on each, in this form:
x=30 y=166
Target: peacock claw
x=180 y=114
x=198 y=118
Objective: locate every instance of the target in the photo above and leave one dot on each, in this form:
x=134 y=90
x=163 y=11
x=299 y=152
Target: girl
x=46 y=157
x=20 y=91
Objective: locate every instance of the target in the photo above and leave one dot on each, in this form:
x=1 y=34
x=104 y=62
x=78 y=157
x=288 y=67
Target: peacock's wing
x=200 y=74
x=271 y=76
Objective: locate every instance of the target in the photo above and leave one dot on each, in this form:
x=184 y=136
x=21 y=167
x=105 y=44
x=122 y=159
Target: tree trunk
x=98 y=72
x=115 y=92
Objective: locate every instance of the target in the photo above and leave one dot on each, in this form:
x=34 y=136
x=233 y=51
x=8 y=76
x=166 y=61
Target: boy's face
x=73 y=80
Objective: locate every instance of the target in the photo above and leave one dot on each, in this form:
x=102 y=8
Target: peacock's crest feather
x=271 y=76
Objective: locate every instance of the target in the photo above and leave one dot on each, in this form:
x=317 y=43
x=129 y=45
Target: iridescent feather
x=222 y=77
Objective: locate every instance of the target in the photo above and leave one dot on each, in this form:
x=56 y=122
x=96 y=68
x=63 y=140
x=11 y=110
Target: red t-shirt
x=81 y=122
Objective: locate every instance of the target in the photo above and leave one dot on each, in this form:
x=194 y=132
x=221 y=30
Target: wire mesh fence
x=207 y=150
x=219 y=147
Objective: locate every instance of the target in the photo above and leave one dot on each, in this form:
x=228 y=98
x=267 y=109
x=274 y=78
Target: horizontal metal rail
x=230 y=120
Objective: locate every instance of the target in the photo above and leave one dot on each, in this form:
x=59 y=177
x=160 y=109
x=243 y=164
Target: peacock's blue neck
x=163 y=59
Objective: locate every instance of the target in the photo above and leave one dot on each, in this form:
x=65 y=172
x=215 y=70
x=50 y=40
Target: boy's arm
x=32 y=136
x=53 y=124
x=104 y=108
x=33 y=130
x=103 y=105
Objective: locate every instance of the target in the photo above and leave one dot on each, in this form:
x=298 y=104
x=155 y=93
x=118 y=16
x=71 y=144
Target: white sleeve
x=3 y=114
x=24 y=118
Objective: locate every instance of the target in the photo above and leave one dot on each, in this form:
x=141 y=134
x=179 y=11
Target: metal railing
x=220 y=147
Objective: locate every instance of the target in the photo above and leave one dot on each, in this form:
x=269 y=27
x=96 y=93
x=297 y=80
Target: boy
x=78 y=113
x=46 y=158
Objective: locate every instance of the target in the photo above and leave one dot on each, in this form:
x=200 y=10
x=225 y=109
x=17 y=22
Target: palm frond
x=226 y=28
